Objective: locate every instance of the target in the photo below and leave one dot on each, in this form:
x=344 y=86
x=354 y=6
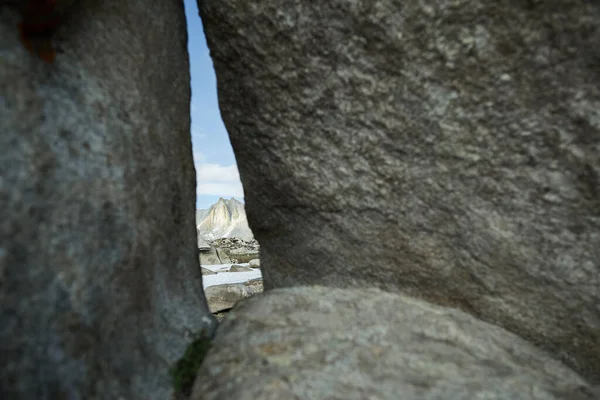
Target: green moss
x=184 y=372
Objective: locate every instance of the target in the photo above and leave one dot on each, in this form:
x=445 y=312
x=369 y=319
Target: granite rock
x=100 y=286
x=226 y=296
x=355 y=344
x=446 y=149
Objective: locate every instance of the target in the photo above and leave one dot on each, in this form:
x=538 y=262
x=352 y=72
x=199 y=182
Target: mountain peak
x=228 y=201
x=225 y=218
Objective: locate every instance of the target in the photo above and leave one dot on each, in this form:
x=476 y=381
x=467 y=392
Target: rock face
x=450 y=150
x=239 y=268
x=99 y=278
x=213 y=256
x=241 y=255
x=224 y=219
x=203 y=244
x=323 y=343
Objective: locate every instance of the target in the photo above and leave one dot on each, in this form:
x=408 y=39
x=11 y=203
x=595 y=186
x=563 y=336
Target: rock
x=234 y=243
x=230 y=250
x=223 y=256
x=208 y=257
x=214 y=256
x=99 y=280
x=223 y=297
x=255 y=263
x=257 y=283
x=323 y=343
x=220 y=316
x=206 y=271
x=257 y=287
x=239 y=268
x=225 y=218
x=241 y=255
x=202 y=244
x=435 y=149
x=200 y=215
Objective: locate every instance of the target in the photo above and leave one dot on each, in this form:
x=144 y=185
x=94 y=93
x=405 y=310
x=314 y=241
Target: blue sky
x=216 y=169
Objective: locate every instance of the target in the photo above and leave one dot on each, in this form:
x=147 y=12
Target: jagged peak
x=226 y=217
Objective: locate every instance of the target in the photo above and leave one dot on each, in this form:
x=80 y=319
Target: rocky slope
x=227 y=250
x=225 y=218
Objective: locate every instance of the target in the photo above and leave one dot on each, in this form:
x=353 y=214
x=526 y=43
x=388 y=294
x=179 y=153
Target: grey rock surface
x=241 y=255
x=224 y=219
x=224 y=297
x=239 y=268
x=202 y=244
x=448 y=149
x=356 y=344
x=100 y=286
x=214 y=256
x=206 y=271
x=255 y=263
x=236 y=243
x=229 y=250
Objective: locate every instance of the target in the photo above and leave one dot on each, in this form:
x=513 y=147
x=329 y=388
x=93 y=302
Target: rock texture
x=255 y=263
x=224 y=297
x=449 y=149
x=224 y=219
x=203 y=244
x=239 y=268
x=228 y=250
x=213 y=256
x=206 y=271
x=322 y=343
x=100 y=286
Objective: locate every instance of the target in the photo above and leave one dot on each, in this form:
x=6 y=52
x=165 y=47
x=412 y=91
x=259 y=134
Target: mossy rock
x=184 y=372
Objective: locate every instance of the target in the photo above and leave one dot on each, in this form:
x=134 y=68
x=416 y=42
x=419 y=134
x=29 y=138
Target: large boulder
x=202 y=244
x=448 y=149
x=355 y=344
x=240 y=268
x=224 y=297
x=213 y=256
x=255 y=263
x=206 y=271
x=100 y=287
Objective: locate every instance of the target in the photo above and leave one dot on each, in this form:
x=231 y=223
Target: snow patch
x=229 y=277
x=223 y=267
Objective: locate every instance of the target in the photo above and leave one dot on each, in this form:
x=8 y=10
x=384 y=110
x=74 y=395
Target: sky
x=216 y=168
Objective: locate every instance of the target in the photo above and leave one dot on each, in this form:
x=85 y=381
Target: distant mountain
x=225 y=218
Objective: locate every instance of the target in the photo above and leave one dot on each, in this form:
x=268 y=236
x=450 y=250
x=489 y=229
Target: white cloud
x=218 y=180
x=216 y=172
x=232 y=189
